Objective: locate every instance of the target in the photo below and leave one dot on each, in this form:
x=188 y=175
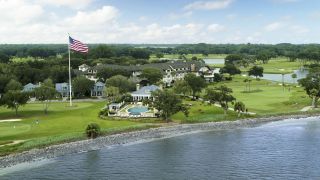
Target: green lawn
x=267 y=97
x=278 y=66
x=62 y=123
x=202 y=112
x=189 y=56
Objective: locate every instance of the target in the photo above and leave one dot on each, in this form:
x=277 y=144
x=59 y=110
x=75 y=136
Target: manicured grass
x=200 y=112
x=267 y=97
x=189 y=56
x=65 y=124
x=62 y=123
x=278 y=66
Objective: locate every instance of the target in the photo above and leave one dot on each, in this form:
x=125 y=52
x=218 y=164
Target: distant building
x=83 y=67
x=30 y=87
x=98 y=89
x=171 y=71
x=115 y=106
x=63 y=89
x=144 y=92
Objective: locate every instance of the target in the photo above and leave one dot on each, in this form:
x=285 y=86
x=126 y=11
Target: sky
x=160 y=21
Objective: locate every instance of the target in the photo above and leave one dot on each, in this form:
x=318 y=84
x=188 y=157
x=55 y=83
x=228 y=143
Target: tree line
x=103 y=51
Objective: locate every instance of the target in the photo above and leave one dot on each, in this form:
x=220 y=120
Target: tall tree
x=196 y=83
x=248 y=84
x=112 y=93
x=45 y=93
x=167 y=103
x=264 y=56
x=230 y=69
x=14 y=97
x=101 y=51
x=256 y=71
x=121 y=82
x=233 y=58
x=181 y=87
x=221 y=95
x=239 y=107
x=4 y=58
x=311 y=86
x=153 y=75
x=82 y=86
x=13 y=85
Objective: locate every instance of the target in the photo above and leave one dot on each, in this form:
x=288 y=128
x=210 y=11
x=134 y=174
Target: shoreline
x=135 y=136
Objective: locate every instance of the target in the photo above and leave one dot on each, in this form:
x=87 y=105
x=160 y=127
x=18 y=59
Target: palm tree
x=239 y=107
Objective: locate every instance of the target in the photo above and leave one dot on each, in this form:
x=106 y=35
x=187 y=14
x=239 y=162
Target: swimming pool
x=137 y=110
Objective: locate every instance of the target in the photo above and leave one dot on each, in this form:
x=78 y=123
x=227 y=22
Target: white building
x=144 y=92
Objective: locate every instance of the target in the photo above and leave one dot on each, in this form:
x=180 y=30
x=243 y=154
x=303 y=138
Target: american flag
x=77 y=46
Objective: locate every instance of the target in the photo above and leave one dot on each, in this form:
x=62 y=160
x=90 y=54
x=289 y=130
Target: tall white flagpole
x=70 y=90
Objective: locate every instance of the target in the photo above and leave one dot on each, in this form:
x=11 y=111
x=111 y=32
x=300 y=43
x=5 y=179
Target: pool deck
x=124 y=113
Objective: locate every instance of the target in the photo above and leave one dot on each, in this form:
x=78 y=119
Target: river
x=286 y=149
x=214 y=61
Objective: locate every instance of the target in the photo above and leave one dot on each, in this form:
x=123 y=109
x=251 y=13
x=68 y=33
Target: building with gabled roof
x=144 y=92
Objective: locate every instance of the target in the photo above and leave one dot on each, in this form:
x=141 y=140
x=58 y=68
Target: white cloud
x=143 y=18
x=299 y=29
x=176 y=16
x=24 y=21
x=208 y=5
x=274 y=26
x=75 y=4
x=95 y=18
x=216 y=28
x=18 y=12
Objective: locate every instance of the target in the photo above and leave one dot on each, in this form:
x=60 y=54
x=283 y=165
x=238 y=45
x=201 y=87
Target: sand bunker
x=10 y=120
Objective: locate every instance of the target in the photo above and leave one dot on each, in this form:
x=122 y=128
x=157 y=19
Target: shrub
x=93 y=130
x=104 y=112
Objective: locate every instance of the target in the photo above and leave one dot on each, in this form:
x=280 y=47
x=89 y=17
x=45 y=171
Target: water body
x=280 y=150
x=213 y=61
x=301 y=73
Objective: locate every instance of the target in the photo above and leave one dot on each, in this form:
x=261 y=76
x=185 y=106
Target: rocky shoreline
x=130 y=137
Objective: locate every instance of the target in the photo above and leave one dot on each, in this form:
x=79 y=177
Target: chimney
x=161 y=86
x=193 y=67
x=137 y=87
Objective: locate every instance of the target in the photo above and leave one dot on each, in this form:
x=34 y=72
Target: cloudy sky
x=160 y=21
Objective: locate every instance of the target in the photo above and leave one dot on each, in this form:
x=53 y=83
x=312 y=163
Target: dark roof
x=162 y=66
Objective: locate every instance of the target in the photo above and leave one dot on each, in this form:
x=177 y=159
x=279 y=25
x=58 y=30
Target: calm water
x=288 y=149
x=214 y=61
x=287 y=77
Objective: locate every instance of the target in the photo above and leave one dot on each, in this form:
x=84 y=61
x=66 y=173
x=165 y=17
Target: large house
x=63 y=89
x=30 y=87
x=144 y=92
x=98 y=89
x=171 y=71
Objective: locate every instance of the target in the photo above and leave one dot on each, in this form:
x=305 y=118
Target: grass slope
x=267 y=97
x=62 y=123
